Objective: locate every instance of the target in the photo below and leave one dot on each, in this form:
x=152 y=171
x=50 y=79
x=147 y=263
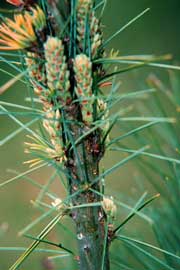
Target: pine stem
x=83 y=167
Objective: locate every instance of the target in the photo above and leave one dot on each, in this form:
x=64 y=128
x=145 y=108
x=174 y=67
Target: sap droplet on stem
x=80 y=236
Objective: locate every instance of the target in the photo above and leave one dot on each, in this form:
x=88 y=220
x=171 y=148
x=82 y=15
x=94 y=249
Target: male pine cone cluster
x=50 y=73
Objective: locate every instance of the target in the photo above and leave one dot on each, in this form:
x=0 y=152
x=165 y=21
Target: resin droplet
x=80 y=236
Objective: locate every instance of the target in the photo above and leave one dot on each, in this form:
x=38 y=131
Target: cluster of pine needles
x=58 y=51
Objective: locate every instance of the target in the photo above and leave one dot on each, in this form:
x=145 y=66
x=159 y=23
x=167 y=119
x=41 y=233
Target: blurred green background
x=157 y=32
